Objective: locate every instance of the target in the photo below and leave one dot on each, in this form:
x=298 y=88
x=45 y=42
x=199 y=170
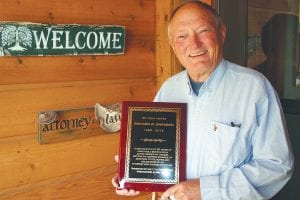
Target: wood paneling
x=39 y=171
x=80 y=168
x=21 y=104
x=138 y=60
x=166 y=63
x=27 y=162
x=134 y=13
x=15 y=70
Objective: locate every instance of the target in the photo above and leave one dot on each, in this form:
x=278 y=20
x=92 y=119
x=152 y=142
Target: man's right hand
x=115 y=183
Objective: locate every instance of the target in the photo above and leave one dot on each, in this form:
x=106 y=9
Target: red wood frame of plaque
x=144 y=162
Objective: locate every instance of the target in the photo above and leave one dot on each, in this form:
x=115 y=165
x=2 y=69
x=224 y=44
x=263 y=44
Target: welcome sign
x=31 y=39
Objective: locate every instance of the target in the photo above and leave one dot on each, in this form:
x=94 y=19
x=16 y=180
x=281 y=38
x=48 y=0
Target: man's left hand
x=187 y=190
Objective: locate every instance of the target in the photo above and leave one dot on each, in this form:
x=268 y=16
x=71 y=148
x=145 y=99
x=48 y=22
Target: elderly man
x=237 y=144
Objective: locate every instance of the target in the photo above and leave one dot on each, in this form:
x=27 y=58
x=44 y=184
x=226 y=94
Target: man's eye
x=181 y=36
x=203 y=30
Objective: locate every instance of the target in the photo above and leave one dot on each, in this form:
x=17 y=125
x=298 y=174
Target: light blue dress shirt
x=237 y=141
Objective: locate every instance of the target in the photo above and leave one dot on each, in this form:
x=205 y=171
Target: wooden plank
x=22 y=103
x=92 y=184
x=166 y=62
x=24 y=162
x=134 y=14
x=46 y=69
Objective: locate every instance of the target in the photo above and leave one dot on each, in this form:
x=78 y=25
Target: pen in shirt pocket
x=235 y=125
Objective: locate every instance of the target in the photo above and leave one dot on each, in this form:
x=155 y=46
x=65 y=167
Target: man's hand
x=115 y=183
x=187 y=190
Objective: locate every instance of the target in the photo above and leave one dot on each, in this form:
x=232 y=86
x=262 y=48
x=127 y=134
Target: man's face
x=196 y=40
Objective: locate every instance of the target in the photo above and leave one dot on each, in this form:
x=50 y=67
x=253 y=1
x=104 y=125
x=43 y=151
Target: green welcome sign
x=31 y=39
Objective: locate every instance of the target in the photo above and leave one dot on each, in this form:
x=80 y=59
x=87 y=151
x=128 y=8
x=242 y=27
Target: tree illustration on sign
x=17 y=36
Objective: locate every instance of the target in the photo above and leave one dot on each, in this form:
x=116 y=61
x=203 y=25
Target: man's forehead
x=192 y=10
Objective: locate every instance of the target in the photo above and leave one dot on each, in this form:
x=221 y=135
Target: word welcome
x=91 y=40
x=40 y=39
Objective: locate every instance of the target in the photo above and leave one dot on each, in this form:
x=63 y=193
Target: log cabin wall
x=80 y=168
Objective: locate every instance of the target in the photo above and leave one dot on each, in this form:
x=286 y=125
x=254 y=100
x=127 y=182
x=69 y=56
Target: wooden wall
x=78 y=169
x=83 y=168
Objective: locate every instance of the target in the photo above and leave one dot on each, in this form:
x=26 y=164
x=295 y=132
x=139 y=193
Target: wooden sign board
x=31 y=39
x=63 y=125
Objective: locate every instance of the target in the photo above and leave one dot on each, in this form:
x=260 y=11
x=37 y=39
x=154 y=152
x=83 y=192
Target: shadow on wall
x=279 y=39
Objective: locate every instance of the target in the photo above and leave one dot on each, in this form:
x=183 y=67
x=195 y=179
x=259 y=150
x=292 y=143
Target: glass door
x=273 y=43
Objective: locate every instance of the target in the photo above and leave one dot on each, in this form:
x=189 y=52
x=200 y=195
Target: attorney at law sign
x=31 y=39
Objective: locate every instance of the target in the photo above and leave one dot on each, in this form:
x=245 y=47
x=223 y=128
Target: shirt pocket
x=221 y=139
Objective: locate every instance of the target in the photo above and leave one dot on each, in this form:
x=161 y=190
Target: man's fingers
x=126 y=192
x=170 y=191
x=117 y=158
x=122 y=191
x=133 y=192
x=114 y=181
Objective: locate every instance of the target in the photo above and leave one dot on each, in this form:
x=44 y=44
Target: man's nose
x=195 y=40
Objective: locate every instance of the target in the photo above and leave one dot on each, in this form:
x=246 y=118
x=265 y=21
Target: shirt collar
x=213 y=80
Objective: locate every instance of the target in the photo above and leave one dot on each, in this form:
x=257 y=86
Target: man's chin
x=201 y=65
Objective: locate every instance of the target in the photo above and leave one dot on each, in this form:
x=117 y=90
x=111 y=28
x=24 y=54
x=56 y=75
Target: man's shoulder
x=246 y=77
x=242 y=72
x=174 y=89
x=180 y=77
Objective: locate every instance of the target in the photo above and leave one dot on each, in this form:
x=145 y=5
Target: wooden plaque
x=152 y=145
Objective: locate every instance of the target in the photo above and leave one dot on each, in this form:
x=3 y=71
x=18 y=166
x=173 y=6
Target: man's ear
x=223 y=33
x=171 y=42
